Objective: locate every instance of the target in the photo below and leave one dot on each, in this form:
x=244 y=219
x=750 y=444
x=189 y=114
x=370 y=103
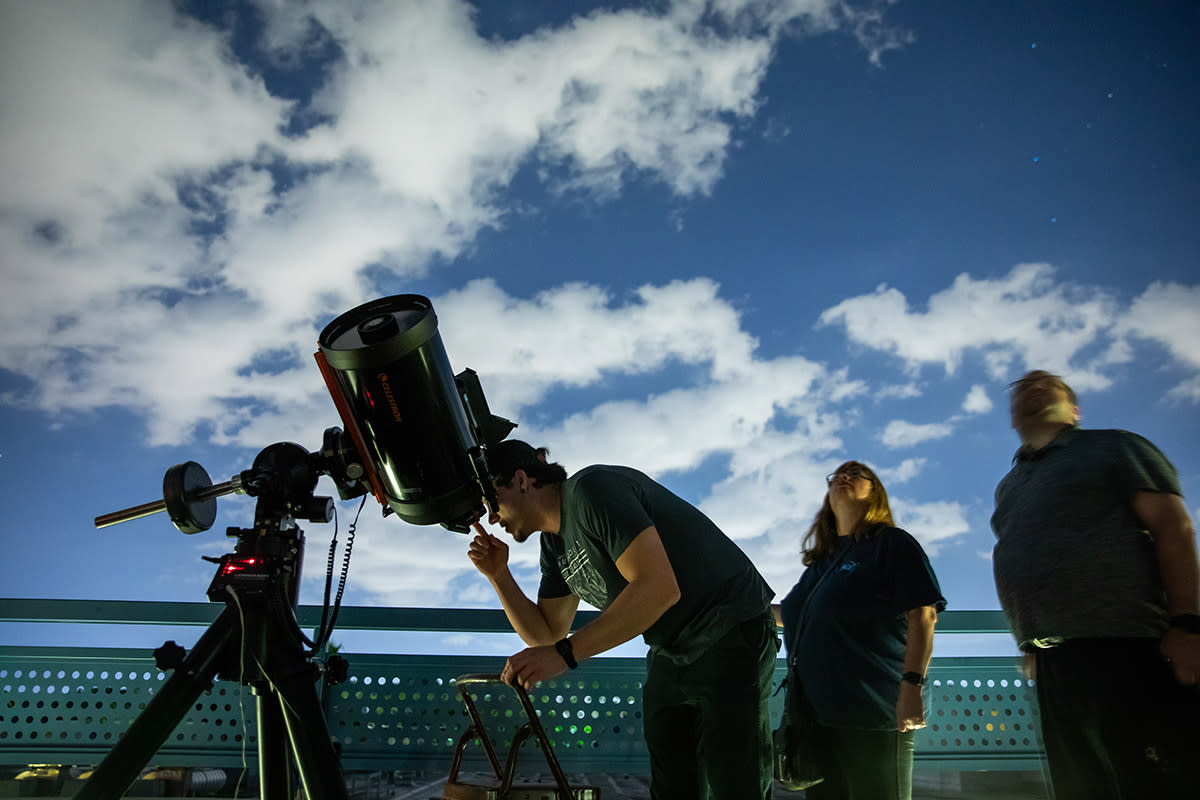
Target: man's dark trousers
x=1115 y=722
x=707 y=724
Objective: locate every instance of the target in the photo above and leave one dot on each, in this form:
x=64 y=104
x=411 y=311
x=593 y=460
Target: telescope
x=416 y=437
x=422 y=434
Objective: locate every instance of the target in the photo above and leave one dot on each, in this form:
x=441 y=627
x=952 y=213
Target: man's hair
x=506 y=457
x=820 y=539
x=1041 y=374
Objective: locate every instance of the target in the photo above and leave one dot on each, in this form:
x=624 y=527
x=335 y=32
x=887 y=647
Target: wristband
x=915 y=678
x=1188 y=623
x=563 y=646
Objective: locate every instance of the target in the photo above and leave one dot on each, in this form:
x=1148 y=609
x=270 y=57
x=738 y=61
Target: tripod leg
x=312 y=747
x=274 y=766
x=162 y=714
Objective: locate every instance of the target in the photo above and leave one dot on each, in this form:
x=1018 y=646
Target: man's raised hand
x=487 y=553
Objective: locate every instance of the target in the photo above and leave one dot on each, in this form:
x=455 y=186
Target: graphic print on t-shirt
x=585 y=581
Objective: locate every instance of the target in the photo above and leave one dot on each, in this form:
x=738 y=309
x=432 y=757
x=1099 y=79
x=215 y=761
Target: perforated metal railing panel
x=408 y=708
x=68 y=706
x=980 y=710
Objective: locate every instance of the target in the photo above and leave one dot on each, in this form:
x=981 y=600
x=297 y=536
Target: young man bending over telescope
x=654 y=565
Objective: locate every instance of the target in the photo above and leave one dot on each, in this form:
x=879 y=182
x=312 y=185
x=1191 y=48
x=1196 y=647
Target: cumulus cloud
x=1024 y=320
x=977 y=401
x=905 y=471
x=866 y=23
x=902 y=390
x=102 y=108
x=772 y=409
x=900 y=433
x=768 y=510
x=1188 y=390
x=1169 y=314
x=573 y=335
x=398 y=564
x=931 y=523
x=450 y=117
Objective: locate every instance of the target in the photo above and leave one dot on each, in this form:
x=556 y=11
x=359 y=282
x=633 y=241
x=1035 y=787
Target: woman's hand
x=910 y=708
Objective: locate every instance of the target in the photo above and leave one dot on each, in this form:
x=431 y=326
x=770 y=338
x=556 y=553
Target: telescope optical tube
x=400 y=403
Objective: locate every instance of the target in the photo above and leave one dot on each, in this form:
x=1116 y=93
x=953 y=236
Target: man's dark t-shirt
x=603 y=509
x=850 y=649
x=1072 y=559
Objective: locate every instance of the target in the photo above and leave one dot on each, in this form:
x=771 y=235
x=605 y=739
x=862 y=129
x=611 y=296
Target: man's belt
x=1045 y=642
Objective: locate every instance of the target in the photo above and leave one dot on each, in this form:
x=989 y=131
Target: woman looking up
x=859 y=629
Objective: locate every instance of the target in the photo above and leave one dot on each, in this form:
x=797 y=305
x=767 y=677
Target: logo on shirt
x=584 y=579
x=849 y=567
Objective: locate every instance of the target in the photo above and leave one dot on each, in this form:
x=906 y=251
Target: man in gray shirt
x=1096 y=569
x=656 y=566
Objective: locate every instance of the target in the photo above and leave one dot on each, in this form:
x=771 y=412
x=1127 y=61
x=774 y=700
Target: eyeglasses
x=853 y=473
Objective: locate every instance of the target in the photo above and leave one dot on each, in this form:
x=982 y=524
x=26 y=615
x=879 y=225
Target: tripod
x=255 y=641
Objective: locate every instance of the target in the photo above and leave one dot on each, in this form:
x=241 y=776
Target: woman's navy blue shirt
x=850 y=651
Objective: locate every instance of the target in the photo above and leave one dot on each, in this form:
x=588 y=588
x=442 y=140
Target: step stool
x=456 y=790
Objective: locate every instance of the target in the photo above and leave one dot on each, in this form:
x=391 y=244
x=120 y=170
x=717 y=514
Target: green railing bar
x=972 y=622
x=136 y=612
x=451 y=620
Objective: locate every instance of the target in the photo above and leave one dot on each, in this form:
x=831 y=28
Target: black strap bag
x=796 y=740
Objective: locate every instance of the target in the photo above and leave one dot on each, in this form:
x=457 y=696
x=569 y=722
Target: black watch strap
x=1188 y=623
x=563 y=646
x=915 y=678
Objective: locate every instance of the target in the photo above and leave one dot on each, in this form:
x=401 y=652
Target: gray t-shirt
x=1072 y=559
x=603 y=509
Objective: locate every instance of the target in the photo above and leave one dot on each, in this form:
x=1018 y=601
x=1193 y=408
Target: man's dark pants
x=707 y=724
x=1115 y=722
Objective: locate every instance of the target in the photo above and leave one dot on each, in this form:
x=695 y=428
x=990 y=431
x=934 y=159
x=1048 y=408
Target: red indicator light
x=242 y=565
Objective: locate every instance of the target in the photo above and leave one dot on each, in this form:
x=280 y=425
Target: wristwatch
x=915 y=678
x=563 y=646
x=1188 y=623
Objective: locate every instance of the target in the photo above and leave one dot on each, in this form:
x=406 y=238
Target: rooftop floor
x=929 y=783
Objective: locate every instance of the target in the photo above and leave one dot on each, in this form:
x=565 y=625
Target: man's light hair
x=1041 y=374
